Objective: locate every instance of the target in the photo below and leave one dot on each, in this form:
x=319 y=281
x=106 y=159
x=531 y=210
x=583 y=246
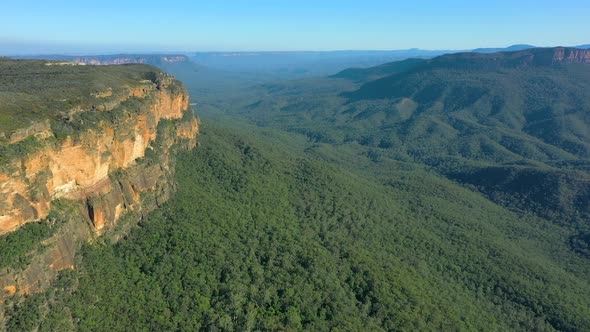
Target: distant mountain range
x=518 y=47
x=306 y=61
x=277 y=65
x=513 y=124
x=116 y=59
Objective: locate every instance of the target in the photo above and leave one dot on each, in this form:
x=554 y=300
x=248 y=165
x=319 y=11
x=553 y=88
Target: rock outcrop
x=120 y=161
x=525 y=58
x=571 y=55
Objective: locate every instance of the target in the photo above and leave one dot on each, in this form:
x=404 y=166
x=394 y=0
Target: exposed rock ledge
x=102 y=173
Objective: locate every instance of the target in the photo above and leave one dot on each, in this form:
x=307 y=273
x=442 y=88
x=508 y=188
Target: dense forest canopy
x=263 y=235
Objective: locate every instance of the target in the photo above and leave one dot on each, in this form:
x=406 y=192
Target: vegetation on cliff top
x=60 y=100
x=32 y=91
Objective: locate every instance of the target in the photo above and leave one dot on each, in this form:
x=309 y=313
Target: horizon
x=111 y=27
x=254 y=52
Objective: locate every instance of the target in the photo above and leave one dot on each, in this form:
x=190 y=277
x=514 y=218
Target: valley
x=427 y=194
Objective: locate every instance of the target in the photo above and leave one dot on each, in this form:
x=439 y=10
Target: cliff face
x=120 y=163
x=113 y=59
x=571 y=55
x=125 y=59
x=76 y=168
x=117 y=59
x=525 y=58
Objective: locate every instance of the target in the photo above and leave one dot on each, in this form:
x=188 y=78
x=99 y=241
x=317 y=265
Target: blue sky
x=248 y=25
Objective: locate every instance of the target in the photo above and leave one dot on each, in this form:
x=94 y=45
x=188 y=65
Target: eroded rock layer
x=118 y=161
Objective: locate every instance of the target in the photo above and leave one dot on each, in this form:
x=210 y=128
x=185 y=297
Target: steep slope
x=98 y=154
x=518 y=117
x=509 y=110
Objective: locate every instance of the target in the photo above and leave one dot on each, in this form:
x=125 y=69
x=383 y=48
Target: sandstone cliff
x=129 y=58
x=118 y=161
x=571 y=55
x=520 y=59
x=115 y=59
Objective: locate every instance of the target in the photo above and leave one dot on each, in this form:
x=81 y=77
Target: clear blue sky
x=168 y=25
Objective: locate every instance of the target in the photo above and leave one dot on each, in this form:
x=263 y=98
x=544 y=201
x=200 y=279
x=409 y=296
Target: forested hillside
x=265 y=234
x=512 y=125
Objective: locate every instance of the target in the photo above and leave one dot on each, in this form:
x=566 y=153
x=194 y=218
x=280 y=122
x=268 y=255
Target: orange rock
x=10 y=290
x=75 y=168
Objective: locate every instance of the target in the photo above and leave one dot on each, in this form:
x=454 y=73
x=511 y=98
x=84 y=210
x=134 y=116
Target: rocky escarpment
x=102 y=161
x=127 y=58
x=571 y=55
x=525 y=58
x=117 y=59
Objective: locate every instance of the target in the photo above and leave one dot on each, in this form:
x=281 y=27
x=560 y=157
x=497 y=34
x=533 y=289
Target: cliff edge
x=88 y=145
